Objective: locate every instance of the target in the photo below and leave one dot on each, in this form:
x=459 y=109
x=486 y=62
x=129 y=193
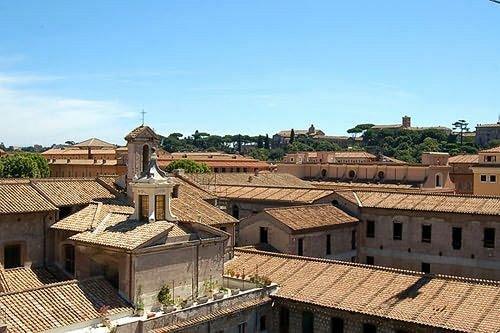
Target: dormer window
x=143 y=207
x=160 y=208
x=175 y=191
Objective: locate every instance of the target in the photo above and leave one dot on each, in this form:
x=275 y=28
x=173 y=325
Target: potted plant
x=165 y=298
x=188 y=302
x=220 y=292
x=235 y=291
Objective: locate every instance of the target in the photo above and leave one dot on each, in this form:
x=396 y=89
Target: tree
x=276 y=154
x=260 y=154
x=461 y=125
x=25 y=165
x=292 y=136
x=260 y=142
x=266 y=142
x=188 y=166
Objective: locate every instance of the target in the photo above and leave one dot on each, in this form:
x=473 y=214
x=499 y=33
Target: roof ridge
x=45 y=286
x=440 y=194
x=299 y=206
x=380 y=268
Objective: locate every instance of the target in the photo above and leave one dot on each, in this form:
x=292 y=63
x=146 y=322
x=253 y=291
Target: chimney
x=406 y=122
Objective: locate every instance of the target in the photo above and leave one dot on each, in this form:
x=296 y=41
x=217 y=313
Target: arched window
x=323 y=173
x=438 y=180
x=335 y=202
x=381 y=175
x=352 y=174
x=236 y=211
x=145 y=158
x=69 y=258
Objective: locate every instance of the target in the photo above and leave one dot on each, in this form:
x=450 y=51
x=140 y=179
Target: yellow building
x=487 y=172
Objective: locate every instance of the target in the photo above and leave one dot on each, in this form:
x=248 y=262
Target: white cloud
x=28 y=117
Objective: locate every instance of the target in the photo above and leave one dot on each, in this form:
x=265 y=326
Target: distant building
x=406 y=124
x=461 y=172
x=282 y=138
x=485 y=133
x=329 y=157
x=487 y=172
x=431 y=175
x=2 y=153
x=218 y=162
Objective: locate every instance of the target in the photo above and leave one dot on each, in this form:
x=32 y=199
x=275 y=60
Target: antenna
x=143 y=113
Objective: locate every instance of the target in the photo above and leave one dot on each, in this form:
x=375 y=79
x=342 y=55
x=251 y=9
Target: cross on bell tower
x=142 y=114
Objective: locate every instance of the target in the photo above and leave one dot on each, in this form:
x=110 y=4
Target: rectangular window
x=242 y=328
x=263 y=235
x=160 y=208
x=337 y=325
x=493 y=178
x=262 y=323
x=369 y=328
x=307 y=322
x=483 y=178
x=370 y=260
x=69 y=258
x=456 y=238
x=426 y=267
x=353 y=240
x=397 y=231
x=12 y=256
x=489 y=238
x=370 y=229
x=426 y=233
x=300 y=247
x=328 y=244
x=284 y=320
x=143 y=207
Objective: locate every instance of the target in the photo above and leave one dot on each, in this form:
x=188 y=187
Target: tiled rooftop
x=491 y=150
x=467 y=159
x=72 y=191
x=464 y=305
x=117 y=230
x=59 y=305
x=443 y=203
x=302 y=218
x=23 y=278
x=260 y=193
x=260 y=179
x=18 y=196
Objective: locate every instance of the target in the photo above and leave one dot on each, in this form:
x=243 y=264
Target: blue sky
x=73 y=70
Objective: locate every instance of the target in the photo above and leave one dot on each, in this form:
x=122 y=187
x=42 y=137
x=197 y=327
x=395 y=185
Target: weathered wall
x=29 y=230
x=473 y=259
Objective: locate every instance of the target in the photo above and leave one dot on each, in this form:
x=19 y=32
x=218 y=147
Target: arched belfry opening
x=145 y=158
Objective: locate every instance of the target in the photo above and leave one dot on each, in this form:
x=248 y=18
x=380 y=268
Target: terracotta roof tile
x=461 y=204
x=465 y=305
x=267 y=179
x=491 y=150
x=72 y=191
x=23 y=278
x=300 y=218
x=59 y=305
x=295 y=195
x=94 y=142
x=21 y=197
x=465 y=159
x=119 y=231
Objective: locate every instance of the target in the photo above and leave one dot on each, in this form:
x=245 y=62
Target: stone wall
x=472 y=259
x=314 y=243
x=353 y=322
x=29 y=230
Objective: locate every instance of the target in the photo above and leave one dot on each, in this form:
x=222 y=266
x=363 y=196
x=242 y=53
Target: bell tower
x=141 y=142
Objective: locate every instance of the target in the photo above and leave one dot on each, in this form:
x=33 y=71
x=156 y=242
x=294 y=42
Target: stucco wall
x=30 y=230
x=473 y=259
